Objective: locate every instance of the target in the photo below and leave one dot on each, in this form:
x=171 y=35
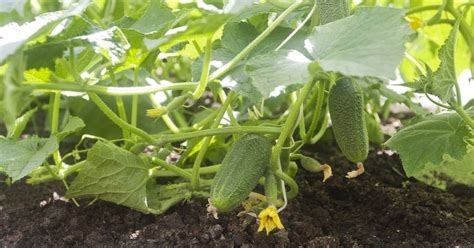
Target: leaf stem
x=173 y=168
x=207 y=140
x=110 y=91
x=163 y=139
x=422 y=9
x=204 y=170
x=55 y=125
x=119 y=103
x=118 y=121
x=317 y=111
x=294 y=189
x=288 y=127
x=134 y=114
x=206 y=66
x=224 y=69
x=460 y=110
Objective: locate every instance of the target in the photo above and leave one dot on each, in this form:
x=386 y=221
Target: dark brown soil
x=382 y=208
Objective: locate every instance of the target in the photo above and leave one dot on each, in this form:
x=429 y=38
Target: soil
x=381 y=208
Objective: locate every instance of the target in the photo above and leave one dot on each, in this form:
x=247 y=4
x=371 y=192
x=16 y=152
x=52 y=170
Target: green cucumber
x=346 y=107
x=241 y=168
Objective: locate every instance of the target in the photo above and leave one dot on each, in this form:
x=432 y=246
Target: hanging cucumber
x=243 y=165
x=346 y=107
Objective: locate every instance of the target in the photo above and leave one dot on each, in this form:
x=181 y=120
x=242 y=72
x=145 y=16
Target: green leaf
x=271 y=73
x=236 y=37
x=204 y=26
x=20 y=124
x=41 y=75
x=450 y=171
x=111 y=43
x=15 y=100
x=13 y=35
x=429 y=140
x=19 y=158
x=368 y=43
x=441 y=82
x=73 y=125
x=155 y=19
x=115 y=175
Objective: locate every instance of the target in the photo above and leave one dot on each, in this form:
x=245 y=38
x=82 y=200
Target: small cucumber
x=346 y=107
x=241 y=168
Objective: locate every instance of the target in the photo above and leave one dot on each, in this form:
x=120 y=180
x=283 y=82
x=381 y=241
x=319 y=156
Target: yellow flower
x=156 y=112
x=416 y=23
x=269 y=220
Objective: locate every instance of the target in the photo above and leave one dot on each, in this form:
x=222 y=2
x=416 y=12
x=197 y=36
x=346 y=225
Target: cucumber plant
x=150 y=103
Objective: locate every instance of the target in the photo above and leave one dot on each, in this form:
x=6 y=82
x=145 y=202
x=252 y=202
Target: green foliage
x=210 y=73
x=438 y=135
x=115 y=175
x=372 y=40
x=442 y=81
x=9 y=43
x=20 y=158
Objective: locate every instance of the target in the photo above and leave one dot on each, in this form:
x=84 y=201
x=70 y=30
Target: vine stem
x=134 y=115
x=119 y=103
x=173 y=168
x=289 y=126
x=55 y=125
x=206 y=141
x=163 y=139
x=118 y=121
x=206 y=66
x=464 y=116
x=224 y=69
x=111 y=91
x=169 y=173
x=317 y=112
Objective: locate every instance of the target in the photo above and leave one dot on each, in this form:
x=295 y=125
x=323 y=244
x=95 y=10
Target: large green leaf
x=19 y=158
x=271 y=73
x=115 y=175
x=429 y=140
x=13 y=35
x=368 y=43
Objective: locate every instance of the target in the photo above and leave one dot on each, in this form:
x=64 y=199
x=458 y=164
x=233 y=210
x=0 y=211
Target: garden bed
x=380 y=208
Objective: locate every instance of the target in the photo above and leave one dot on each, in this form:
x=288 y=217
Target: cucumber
x=332 y=10
x=241 y=168
x=346 y=107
